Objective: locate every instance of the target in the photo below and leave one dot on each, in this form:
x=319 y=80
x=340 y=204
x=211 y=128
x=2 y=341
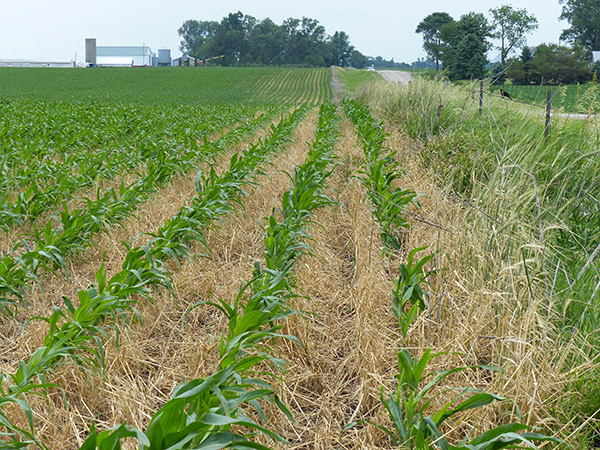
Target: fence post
x=480 y=97
x=548 y=106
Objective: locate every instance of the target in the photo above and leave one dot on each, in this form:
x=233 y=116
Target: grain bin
x=164 y=57
x=90 y=52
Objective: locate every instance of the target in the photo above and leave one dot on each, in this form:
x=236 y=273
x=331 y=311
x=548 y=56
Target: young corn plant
x=80 y=337
x=202 y=413
x=407 y=294
x=416 y=427
x=380 y=172
x=415 y=424
x=77 y=227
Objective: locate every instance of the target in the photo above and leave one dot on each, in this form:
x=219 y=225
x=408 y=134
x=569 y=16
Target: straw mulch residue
x=347 y=331
x=149 y=358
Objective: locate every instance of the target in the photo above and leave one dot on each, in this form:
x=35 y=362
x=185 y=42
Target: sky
x=49 y=30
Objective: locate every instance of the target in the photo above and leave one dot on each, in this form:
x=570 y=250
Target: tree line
x=240 y=39
x=460 y=46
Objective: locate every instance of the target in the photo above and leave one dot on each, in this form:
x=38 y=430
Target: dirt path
x=395 y=76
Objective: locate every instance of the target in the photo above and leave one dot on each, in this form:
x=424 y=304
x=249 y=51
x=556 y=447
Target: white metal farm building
x=123 y=56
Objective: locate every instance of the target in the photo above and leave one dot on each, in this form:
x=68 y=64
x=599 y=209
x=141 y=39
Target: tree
x=558 y=64
x=305 y=42
x=195 y=36
x=498 y=73
x=551 y=64
x=520 y=70
x=584 y=17
x=242 y=39
x=465 y=45
x=359 y=61
x=469 y=60
x=231 y=38
x=342 y=49
x=511 y=26
x=267 y=42
x=476 y=24
x=431 y=27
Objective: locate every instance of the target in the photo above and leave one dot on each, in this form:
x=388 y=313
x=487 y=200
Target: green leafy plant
x=415 y=427
x=407 y=294
x=381 y=171
x=202 y=414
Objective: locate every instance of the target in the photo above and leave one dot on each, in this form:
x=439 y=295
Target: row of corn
x=51 y=151
x=211 y=413
x=77 y=331
x=73 y=228
x=417 y=421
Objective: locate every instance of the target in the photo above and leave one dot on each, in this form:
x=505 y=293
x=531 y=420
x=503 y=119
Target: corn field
x=258 y=269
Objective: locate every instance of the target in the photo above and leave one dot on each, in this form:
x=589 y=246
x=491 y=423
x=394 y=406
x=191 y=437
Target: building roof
x=33 y=63
x=123 y=50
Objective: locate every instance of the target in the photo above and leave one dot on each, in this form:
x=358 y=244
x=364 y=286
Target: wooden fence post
x=548 y=106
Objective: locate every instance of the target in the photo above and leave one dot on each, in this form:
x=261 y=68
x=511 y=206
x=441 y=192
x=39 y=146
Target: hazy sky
x=56 y=29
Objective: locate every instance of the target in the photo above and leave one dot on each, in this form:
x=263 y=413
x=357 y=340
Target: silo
x=164 y=56
x=90 y=52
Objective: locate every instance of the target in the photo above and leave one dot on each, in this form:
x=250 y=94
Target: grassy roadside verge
x=354 y=79
x=520 y=227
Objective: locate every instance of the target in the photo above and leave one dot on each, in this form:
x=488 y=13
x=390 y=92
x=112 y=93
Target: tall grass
x=529 y=234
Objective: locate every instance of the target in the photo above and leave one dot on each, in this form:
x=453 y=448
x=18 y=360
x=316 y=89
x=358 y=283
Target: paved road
x=395 y=76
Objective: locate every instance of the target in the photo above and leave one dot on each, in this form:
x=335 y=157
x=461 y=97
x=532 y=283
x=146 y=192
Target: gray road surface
x=395 y=76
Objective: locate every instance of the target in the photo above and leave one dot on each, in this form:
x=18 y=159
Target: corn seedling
x=389 y=202
x=79 y=338
x=201 y=413
x=407 y=294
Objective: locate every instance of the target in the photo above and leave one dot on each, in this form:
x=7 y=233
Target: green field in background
x=168 y=84
x=575 y=98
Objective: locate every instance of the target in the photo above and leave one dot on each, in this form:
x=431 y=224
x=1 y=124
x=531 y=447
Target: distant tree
x=511 y=26
x=520 y=70
x=469 y=60
x=466 y=42
x=359 y=61
x=584 y=17
x=551 y=64
x=476 y=24
x=305 y=42
x=342 y=50
x=267 y=42
x=498 y=73
x=231 y=38
x=430 y=27
x=242 y=39
x=559 y=64
x=526 y=55
x=195 y=35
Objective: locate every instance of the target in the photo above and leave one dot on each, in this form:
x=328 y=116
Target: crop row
x=381 y=172
x=202 y=413
x=409 y=406
x=50 y=151
x=47 y=248
x=83 y=327
x=295 y=86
